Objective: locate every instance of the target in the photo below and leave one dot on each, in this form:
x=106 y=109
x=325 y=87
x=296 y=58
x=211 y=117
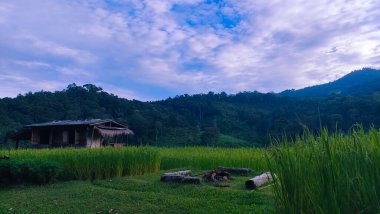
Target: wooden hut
x=74 y=133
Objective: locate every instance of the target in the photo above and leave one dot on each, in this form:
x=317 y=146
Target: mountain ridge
x=359 y=82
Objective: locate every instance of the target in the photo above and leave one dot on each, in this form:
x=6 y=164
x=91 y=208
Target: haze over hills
x=242 y=119
x=364 y=81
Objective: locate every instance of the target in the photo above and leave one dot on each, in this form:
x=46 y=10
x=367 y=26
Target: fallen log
x=171 y=178
x=180 y=177
x=181 y=173
x=235 y=171
x=190 y=180
x=259 y=180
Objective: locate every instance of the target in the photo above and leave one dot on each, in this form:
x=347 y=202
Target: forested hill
x=360 y=82
x=243 y=119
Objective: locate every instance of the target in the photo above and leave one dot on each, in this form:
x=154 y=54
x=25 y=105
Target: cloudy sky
x=153 y=49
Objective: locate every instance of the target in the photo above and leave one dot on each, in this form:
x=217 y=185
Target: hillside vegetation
x=359 y=82
x=244 y=119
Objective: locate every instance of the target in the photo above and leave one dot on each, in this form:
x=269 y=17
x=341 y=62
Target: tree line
x=212 y=119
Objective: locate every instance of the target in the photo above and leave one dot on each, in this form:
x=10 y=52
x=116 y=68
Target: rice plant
x=110 y=162
x=209 y=158
x=328 y=173
x=95 y=163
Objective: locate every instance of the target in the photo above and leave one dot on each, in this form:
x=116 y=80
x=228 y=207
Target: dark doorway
x=44 y=137
x=72 y=136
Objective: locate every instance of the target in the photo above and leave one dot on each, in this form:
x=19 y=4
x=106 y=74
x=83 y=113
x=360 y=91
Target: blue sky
x=151 y=50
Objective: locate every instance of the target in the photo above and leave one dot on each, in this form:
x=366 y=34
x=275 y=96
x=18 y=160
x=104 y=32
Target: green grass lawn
x=136 y=194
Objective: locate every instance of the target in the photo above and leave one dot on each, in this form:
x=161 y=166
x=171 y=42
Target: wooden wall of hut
x=94 y=140
x=57 y=138
x=80 y=136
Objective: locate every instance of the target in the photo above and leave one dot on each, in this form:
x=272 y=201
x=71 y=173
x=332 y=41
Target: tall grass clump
x=28 y=171
x=209 y=158
x=94 y=163
x=328 y=173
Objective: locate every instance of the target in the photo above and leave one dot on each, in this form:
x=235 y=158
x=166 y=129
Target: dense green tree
x=197 y=119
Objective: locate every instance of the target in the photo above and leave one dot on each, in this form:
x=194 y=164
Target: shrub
x=28 y=171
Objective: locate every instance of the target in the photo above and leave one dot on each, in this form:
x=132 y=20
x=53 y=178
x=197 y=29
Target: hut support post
x=51 y=137
x=92 y=136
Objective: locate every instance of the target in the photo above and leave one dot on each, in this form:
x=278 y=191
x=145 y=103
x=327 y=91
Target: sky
x=155 y=49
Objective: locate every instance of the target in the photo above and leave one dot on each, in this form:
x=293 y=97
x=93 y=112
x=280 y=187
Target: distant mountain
x=244 y=119
x=361 y=82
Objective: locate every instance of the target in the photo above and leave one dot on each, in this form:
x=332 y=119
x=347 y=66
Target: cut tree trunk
x=217 y=175
x=235 y=171
x=259 y=180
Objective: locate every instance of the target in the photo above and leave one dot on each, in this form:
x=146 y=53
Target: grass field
x=135 y=194
x=324 y=173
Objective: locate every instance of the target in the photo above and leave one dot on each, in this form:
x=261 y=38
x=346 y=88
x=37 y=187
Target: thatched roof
x=105 y=127
x=74 y=123
x=113 y=131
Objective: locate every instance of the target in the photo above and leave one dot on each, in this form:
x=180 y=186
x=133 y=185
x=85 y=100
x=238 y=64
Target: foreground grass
x=328 y=173
x=135 y=194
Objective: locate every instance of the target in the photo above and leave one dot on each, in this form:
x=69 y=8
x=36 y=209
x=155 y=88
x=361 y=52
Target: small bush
x=28 y=171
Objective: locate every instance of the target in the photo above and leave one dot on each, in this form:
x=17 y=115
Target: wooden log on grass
x=171 y=178
x=190 y=180
x=259 y=180
x=180 y=177
x=180 y=173
x=235 y=171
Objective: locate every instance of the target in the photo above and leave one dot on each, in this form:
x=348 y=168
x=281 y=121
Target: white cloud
x=31 y=64
x=5 y=8
x=14 y=84
x=61 y=50
x=123 y=93
x=74 y=72
x=188 y=46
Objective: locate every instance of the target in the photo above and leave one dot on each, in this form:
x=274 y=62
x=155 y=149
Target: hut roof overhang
x=100 y=125
x=113 y=131
x=75 y=123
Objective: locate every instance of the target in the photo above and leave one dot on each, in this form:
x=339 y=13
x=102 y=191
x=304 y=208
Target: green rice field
x=324 y=173
x=328 y=173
